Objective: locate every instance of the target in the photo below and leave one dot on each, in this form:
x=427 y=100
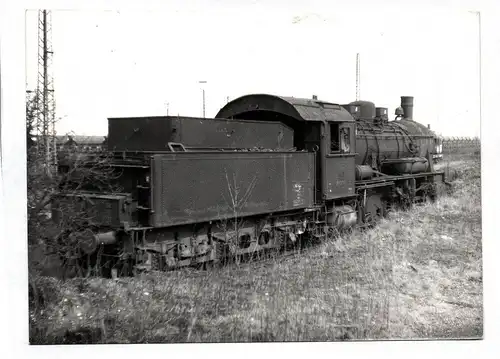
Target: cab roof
x=301 y=109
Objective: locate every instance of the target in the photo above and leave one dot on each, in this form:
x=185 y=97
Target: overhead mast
x=44 y=125
x=358 y=75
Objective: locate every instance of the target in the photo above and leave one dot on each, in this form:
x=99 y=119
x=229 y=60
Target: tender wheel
x=280 y=241
x=155 y=261
x=222 y=252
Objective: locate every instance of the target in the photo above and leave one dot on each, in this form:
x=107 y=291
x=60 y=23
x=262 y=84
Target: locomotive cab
x=339 y=161
x=321 y=127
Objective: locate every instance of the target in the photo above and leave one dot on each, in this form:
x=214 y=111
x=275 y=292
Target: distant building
x=81 y=143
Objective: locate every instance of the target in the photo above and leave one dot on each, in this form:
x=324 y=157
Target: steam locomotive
x=264 y=174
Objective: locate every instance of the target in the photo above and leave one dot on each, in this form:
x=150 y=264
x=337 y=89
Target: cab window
x=345 y=139
x=340 y=139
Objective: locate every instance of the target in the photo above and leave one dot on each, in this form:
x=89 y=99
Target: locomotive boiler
x=265 y=173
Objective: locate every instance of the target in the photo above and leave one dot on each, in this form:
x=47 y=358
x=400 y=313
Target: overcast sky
x=109 y=64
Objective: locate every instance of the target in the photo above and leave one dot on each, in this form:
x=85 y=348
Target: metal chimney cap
x=407 y=100
x=407 y=105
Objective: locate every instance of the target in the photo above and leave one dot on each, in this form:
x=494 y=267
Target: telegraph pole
x=203 y=91
x=358 y=75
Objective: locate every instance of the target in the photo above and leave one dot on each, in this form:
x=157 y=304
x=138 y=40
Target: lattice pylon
x=45 y=100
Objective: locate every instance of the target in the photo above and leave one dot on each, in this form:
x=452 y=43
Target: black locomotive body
x=265 y=172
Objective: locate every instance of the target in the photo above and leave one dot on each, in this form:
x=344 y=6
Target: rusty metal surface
x=407 y=105
x=223 y=133
x=406 y=165
x=299 y=109
x=354 y=110
x=312 y=110
x=382 y=113
x=390 y=179
x=414 y=127
x=364 y=172
x=139 y=134
x=340 y=176
x=389 y=140
x=95 y=209
x=154 y=133
x=366 y=109
x=197 y=187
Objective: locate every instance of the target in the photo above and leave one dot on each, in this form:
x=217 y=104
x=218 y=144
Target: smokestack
x=315 y=97
x=429 y=126
x=407 y=105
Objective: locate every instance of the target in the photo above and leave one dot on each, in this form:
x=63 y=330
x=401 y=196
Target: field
x=417 y=275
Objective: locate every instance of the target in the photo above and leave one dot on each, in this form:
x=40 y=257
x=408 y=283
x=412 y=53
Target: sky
x=132 y=63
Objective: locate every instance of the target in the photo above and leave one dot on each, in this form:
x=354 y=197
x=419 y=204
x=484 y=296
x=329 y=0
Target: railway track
x=271 y=257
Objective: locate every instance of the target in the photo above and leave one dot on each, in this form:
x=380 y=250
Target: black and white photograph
x=243 y=171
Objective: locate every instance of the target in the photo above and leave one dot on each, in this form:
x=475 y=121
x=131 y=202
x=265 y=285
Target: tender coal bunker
x=298 y=127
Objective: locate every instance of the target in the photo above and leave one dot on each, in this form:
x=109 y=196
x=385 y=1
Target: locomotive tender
x=264 y=173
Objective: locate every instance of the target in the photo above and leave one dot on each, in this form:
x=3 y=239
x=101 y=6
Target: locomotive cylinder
x=363 y=172
x=407 y=105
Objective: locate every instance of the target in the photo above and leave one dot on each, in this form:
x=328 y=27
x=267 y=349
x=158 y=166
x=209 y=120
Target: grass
x=417 y=275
